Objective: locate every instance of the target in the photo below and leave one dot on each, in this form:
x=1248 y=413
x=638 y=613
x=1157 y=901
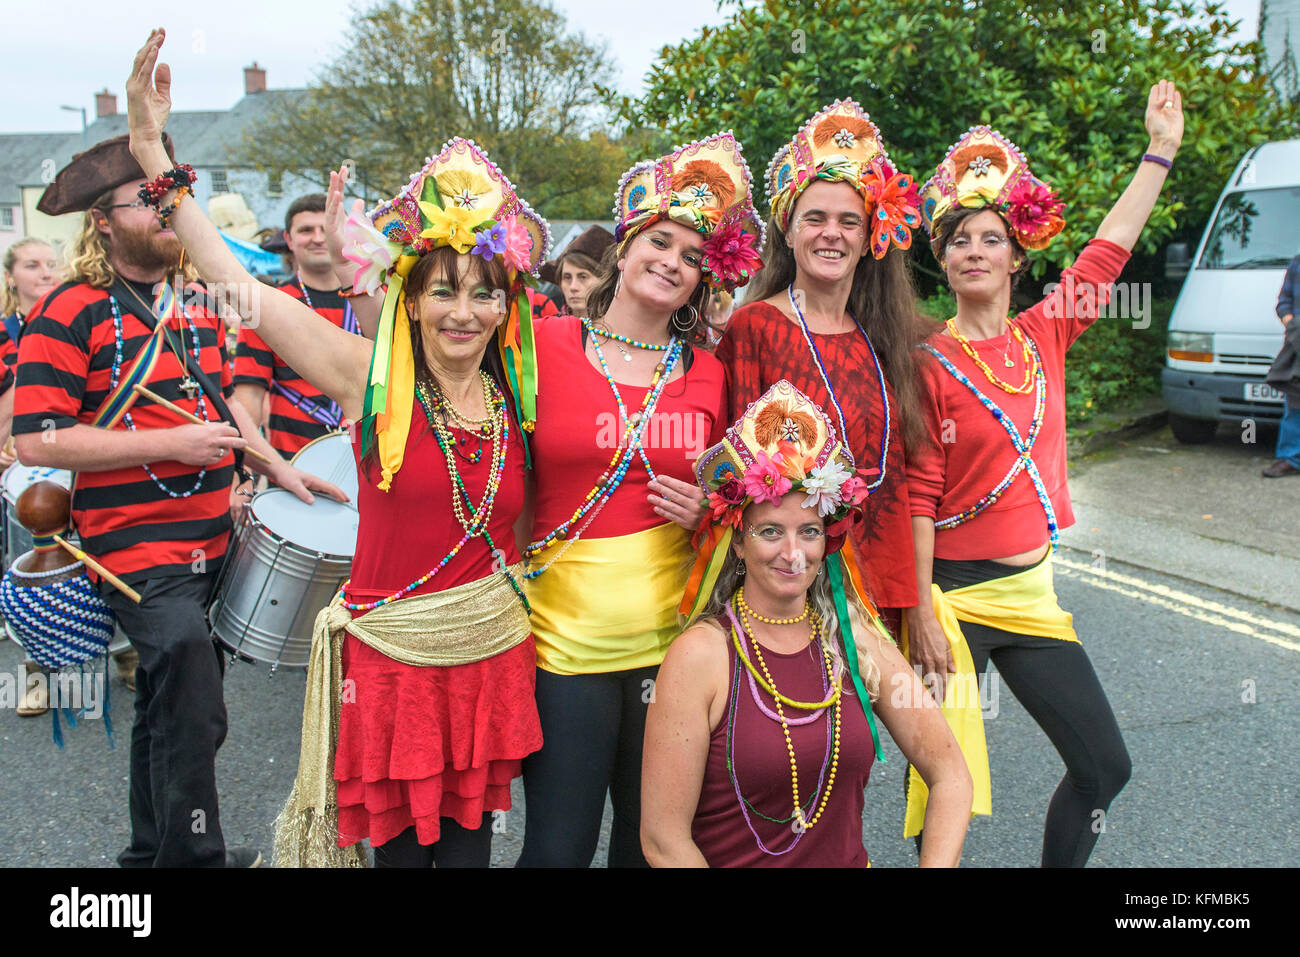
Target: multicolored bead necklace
x=200 y=407
x=1024 y=447
x=1030 y=367
x=495 y=403
x=459 y=495
x=830 y=390
x=628 y=449
x=650 y=346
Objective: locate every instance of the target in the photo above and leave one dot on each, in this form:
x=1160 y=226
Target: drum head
x=325 y=526
x=330 y=457
x=18 y=477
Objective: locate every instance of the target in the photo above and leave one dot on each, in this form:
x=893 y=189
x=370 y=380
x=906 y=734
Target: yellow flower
x=454 y=226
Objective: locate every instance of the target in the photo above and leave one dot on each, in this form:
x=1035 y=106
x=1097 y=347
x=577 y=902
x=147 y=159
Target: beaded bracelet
x=180 y=177
x=165 y=214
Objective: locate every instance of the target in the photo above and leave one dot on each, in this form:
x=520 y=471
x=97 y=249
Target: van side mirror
x=1178 y=260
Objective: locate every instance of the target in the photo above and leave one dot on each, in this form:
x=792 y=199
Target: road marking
x=1184 y=603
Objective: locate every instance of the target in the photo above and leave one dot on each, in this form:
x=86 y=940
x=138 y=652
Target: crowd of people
x=638 y=545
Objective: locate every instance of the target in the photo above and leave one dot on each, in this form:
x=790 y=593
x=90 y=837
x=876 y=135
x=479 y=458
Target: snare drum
x=288 y=562
x=330 y=457
x=15 y=481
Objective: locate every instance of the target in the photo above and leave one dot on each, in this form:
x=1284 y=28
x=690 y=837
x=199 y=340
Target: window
x=219 y=182
x=1255 y=229
x=6 y=217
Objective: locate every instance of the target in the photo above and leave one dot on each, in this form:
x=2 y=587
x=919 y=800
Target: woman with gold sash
x=785 y=670
x=626 y=400
x=988 y=489
x=419 y=705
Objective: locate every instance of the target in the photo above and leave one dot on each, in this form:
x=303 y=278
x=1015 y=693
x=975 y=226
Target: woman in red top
x=757 y=690
x=833 y=312
x=419 y=703
x=988 y=490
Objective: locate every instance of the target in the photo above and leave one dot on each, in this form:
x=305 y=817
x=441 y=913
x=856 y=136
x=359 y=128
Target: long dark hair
x=443 y=263
x=602 y=297
x=882 y=300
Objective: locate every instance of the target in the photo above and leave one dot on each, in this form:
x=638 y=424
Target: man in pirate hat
x=152 y=490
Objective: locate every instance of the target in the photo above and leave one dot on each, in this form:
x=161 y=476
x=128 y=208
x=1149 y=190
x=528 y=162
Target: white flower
x=373 y=253
x=980 y=166
x=844 y=139
x=822 y=487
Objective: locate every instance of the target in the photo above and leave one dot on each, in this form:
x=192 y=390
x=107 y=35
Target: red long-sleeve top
x=968 y=452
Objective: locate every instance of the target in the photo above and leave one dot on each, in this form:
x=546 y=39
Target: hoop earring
x=683 y=327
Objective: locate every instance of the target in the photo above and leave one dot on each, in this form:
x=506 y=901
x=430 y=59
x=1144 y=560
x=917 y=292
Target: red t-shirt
x=65 y=360
x=299 y=411
x=578 y=430
x=968 y=452
x=760 y=347
x=408 y=529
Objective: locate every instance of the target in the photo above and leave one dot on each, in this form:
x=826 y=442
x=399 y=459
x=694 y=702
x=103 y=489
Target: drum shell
x=270 y=594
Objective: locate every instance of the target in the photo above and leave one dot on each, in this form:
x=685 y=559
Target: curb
x=1109 y=429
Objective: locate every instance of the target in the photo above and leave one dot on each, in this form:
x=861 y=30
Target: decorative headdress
x=985 y=169
x=782 y=445
x=459 y=198
x=841 y=145
x=706 y=186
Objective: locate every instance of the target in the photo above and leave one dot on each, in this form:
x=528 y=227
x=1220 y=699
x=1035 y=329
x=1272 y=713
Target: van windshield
x=1255 y=229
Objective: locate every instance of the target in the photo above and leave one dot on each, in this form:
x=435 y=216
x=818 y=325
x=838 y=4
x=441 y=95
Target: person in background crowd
x=578 y=269
x=1285 y=374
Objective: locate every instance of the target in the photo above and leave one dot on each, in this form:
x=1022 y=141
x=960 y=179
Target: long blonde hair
x=9 y=303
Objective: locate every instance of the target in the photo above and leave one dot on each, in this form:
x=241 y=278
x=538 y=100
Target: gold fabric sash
x=1024 y=603
x=468 y=623
x=610 y=604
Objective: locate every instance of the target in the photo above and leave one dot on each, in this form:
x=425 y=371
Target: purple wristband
x=1158 y=160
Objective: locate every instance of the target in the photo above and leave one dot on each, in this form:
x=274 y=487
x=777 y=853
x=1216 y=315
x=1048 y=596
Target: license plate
x=1262 y=392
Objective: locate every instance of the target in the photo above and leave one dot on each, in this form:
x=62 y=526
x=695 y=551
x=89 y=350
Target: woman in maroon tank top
x=784 y=671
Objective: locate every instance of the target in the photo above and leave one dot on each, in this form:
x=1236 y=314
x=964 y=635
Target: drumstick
x=141 y=390
x=85 y=559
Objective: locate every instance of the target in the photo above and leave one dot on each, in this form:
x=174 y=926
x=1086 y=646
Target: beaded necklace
x=830 y=391
x=200 y=407
x=483 y=514
x=460 y=496
x=627 y=356
x=629 y=447
x=1024 y=447
x=1022 y=389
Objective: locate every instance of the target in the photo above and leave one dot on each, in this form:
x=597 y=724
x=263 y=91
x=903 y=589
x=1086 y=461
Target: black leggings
x=1056 y=684
x=593 y=727
x=456 y=847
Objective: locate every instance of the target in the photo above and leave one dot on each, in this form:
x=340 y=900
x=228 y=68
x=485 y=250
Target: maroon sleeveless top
x=762 y=772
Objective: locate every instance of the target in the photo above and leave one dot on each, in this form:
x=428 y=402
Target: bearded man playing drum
x=420 y=700
x=152 y=496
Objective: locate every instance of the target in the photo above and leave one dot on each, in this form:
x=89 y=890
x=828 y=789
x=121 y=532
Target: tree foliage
x=1066 y=81
x=506 y=73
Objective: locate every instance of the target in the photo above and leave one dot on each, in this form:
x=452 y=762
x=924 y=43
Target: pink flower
x=729 y=254
x=1034 y=212
x=854 y=492
x=764 y=481
x=519 y=244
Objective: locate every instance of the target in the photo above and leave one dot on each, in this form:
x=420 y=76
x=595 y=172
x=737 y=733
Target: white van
x=1224 y=330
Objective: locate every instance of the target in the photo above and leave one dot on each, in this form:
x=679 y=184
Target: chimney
x=105 y=104
x=254 y=79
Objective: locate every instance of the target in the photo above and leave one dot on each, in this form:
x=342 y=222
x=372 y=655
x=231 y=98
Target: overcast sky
x=84 y=46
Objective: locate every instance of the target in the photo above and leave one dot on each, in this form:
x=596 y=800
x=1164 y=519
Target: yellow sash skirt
x=1024 y=603
x=610 y=604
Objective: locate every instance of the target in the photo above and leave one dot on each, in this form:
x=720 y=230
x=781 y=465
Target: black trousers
x=593 y=730
x=1056 y=684
x=456 y=847
x=180 y=722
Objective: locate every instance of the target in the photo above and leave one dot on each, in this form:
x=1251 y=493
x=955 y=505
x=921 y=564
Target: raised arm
x=1164 y=123
x=332 y=360
x=366 y=308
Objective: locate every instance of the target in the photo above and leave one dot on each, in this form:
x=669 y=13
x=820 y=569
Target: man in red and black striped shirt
x=299 y=412
x=152 y=495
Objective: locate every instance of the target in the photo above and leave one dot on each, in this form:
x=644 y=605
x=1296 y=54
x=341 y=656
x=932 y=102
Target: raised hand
x=148 y=92
x=1164 y=117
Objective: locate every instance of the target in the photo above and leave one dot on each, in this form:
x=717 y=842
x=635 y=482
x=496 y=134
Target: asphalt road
x=1204 y=685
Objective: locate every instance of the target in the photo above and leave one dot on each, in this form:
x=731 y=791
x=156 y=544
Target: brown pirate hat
x=90 y=174
x=592 y=242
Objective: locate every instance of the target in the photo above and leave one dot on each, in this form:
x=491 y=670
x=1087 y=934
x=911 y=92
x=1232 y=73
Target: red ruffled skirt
x=420 y=744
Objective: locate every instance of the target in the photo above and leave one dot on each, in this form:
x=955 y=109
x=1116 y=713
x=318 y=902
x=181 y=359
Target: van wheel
x=1192 y=431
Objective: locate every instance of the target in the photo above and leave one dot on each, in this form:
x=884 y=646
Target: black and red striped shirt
x=299 y=412
x=124 y=517
x=8 y=360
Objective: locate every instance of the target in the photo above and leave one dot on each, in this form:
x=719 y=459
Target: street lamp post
x=82 y=111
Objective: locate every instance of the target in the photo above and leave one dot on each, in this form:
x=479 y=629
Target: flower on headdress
x=793 y=465
x=371 y=251
x=844 y=138
x=980 y=166
x=725 y=512
x=1034 y=212
x=764 y=481
x=893 y=206
x=518 y=244
x=490 y=242
x=453 y=226
x=822 y=487
x=732 y=491
x=854 y=491
x=729 y=254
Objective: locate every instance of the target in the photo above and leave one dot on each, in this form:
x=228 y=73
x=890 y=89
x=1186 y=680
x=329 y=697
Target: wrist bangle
x=347 y=293
x=1158 y=160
